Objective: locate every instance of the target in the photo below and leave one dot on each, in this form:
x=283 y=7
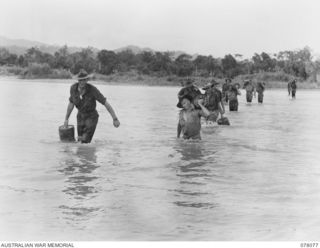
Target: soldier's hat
x=83 y=75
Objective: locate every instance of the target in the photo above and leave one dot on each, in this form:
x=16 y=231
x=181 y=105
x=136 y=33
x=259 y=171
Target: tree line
x=298 y=63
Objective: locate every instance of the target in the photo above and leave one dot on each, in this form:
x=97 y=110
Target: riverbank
x=134 y=78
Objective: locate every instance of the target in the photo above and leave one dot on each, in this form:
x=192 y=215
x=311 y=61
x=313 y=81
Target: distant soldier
x=260 y=89
x=213 y=101
x=233 y=96
x=293 y=88
x=250 y=90
x=289 y=88
x=189 y=89
x=225 y=88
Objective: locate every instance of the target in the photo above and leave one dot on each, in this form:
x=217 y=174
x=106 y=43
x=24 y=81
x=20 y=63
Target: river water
x=256 y=180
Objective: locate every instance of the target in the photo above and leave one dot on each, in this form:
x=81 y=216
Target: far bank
x=273 y=80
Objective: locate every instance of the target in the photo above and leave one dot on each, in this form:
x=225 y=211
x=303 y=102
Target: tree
x=108 y=61
x=214 y=67
x=21 y=61
x=127 y=60
x=295 y=62
x=267 y=64
x=183 y=65
x=161 y=63
x=34 y=55
x=246 y=66
x=85 y=59
x=229 y=66
x=63 y=59
x=144 y=62
x=7 y=58
x=202 y=65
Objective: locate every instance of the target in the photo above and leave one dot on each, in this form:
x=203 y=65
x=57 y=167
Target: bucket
x=66 y=133
x=223 y=121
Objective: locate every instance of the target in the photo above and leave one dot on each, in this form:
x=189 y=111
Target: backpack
x=192 y=91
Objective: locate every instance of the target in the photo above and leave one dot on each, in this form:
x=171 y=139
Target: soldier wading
x=84 y=97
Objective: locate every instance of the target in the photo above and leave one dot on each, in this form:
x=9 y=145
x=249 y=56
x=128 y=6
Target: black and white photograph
x=159 y=120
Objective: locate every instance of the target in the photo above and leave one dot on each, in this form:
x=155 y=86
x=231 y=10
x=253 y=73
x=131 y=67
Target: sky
x=206 y=27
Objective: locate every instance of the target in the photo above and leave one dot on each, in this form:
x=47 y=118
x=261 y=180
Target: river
x=256 y=180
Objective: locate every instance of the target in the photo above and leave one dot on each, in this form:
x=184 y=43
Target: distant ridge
x=20 y=46
x=19 y=42
x=134 y=49
x=137 y=50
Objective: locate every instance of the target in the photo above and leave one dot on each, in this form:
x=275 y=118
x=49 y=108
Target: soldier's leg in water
x=80 y=126
x=90 y=127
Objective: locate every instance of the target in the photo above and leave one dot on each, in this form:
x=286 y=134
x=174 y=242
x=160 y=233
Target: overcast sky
x=215 y=27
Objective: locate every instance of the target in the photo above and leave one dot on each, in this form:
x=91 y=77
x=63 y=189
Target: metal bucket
x=66 y=133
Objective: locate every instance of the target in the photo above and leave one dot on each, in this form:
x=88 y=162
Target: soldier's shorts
x=225 y=96
x=233 y=105
x=249 y=97
x=86 y=126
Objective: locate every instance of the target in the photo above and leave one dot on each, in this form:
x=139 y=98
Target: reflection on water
x=193 y=173
x=192 y=162
x=78 y=167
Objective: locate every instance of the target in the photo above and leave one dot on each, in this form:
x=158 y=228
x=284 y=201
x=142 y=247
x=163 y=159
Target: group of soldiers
x=211 y=103
x=231 y=91
x=193 y=103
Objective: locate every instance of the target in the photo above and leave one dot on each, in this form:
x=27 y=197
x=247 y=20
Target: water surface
x=257 y=179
